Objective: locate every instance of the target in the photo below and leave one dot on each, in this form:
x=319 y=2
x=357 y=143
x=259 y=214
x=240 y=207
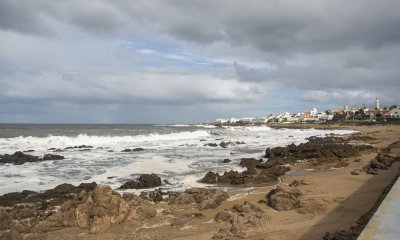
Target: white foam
x=98 y=141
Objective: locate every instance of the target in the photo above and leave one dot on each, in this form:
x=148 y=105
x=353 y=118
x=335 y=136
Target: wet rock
x=133 y=150
x=18 y=158
x=251 y=175
x=79 y=147
x=250 y=164
x=322 y=149
x=144 y=181
x=54 y=196
x=52 y=157
x=354 y=173
x=226 y=160
x=211 y=145
x=226 y=144
x=271 y=174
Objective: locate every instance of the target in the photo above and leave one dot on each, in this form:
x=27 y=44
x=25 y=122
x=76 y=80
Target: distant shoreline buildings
x=384 y=114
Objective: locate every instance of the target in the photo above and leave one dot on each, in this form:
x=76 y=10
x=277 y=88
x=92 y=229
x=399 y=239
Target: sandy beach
x=339 y=197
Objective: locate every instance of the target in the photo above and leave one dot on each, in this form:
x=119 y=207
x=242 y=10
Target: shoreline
x=337 y=189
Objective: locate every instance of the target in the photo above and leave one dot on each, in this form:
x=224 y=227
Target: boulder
x=282 y=200
x=380 y=162
x=245 y=220
x=100 y=209
x=144 y=181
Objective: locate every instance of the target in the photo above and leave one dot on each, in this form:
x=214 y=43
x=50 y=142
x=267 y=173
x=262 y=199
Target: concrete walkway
x=385 y=223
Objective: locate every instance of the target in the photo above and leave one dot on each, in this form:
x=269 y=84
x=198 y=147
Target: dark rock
x=246 y=177
x=250 y=164
x=271 y=174
x=18 y=158
x=52 y=157
x=133 y=150
x=137 y=149
x=378 y=165
x=53 y=196
x=211 y=144
x=144 y=181
x=226 y=160
x=226 y=144
x=354 y=173
x=210 y=177
x=78 y=147
x=322 y=149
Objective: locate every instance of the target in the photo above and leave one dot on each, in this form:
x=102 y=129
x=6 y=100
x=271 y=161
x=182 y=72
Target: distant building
x=395 y=112
x=246 y=120
x=377 y=106
x=233 y=120
x=221 y=121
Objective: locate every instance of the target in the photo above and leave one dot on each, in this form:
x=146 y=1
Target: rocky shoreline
x=97 y=208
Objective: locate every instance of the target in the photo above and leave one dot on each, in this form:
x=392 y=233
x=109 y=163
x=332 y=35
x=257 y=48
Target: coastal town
x=346 y=114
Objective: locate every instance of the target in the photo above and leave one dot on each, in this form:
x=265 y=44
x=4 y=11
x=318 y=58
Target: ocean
x=177 y=153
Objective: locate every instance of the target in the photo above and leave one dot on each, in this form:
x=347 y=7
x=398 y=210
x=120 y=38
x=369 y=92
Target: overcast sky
x=148 y=61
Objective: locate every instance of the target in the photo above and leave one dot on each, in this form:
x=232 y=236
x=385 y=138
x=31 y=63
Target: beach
x=329 y=196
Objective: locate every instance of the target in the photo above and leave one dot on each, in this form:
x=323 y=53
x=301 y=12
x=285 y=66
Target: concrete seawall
x=384 y=224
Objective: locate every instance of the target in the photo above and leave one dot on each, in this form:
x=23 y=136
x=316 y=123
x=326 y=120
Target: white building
x=314 y=112
x=246 y=120
x=233 y=120
x=395 y=112
x=221 y=121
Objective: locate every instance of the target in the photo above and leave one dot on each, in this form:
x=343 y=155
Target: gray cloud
x=319 y=52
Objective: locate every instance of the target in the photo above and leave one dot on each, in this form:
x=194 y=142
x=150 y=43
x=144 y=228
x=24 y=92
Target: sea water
x=177 y=153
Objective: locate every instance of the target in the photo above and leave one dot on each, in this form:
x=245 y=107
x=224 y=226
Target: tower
x=377 y=107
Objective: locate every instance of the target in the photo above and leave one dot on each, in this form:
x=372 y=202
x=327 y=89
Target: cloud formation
x=201 y=59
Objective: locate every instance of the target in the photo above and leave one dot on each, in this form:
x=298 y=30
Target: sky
x=170 y=61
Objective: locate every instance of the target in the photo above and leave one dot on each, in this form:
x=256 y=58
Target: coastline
x=345 y=198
